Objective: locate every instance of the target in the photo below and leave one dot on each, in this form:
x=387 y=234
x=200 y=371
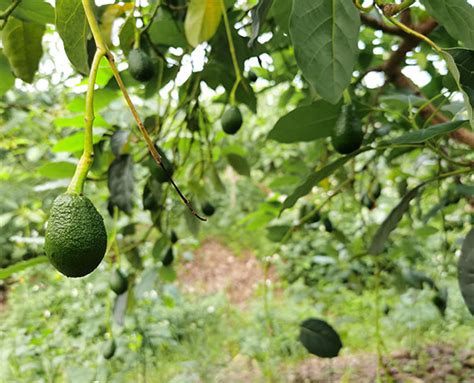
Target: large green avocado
x=231 y=120
x=76 y=239
x=347 y=136
x=140 y=65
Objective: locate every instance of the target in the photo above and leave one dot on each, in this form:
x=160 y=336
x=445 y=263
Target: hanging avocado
x=140 y=65
x=347 y=136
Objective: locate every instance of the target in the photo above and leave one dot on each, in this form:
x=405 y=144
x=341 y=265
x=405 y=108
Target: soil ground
x=215 y=268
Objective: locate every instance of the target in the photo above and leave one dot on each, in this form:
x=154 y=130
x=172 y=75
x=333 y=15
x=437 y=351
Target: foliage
x=393 y=209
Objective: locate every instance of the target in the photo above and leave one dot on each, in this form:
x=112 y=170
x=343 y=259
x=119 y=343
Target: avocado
x=208 y=209
x=328 y=225
x=173 y=237
x=252 y=76
x=118 y=283
x=368 y=202
x=108 y=350
x=140 y=65
x=231 y=120
x=168 y=258
x=76 y=239
x=347 y=135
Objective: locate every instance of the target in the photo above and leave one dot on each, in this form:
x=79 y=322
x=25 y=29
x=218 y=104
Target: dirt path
x=215 y=268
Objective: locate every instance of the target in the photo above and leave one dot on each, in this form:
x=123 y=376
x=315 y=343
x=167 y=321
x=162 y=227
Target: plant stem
x=238 y=76
x=4 y=15
x=390 y=10
x=87 y=4
x=412 y=32
x=85 y=163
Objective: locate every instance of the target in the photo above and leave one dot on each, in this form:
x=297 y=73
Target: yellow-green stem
x=412 y=32
x=85 y=163
x=238 y=75
x=87 y=4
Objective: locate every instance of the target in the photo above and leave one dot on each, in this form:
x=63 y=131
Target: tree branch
x=378 y=24
x=393 y=70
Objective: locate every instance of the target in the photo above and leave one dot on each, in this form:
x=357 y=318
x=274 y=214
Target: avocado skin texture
x=231 y=120
x=347 y=136
x=118 y=283
x=109 y=348
x=75 y=240
x=140 y=65
x=208 y=209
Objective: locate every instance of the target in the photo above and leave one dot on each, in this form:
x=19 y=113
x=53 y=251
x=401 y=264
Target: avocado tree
x=316 y=102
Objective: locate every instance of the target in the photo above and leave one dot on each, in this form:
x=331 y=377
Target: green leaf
x=466 y=271
x=391 y=222
x=165 y=30
x=457 y=16
x=20 y=266
x=36 y=11
x=57 y=170
x=325 y=36
x=277 y=233
x=127 y=35
x=118 y=142
x=8 y=80
x=315 y=178
x=259 y=14
x=73 y=143
x=202 y=20
x=72 y=26
x=306 y=123
x=461 y=66
x=167 y=274
x=420 y=136
x=239 y=164
x=319 y=338
x=78 y=121
x=121 y=183
x=22 y=46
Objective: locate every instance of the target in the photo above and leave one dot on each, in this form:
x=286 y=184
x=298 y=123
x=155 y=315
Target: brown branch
x=378 y=24
x=393 y=70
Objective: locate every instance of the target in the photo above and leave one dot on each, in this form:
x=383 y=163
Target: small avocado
x=173 y=237
x=108 y=350
x=140 y=65
x=328 y=225
x=208 y=209
x=252 y=76
x=368 y=202
x=168 y=258
x=118 y=283
x=76 y=239
x=347 y=135
x=231 y=120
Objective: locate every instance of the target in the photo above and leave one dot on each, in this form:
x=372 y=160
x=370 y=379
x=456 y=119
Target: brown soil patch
x=434 y=364
x=216 y=269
